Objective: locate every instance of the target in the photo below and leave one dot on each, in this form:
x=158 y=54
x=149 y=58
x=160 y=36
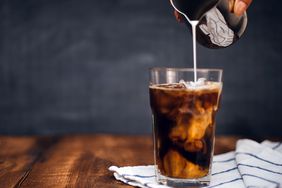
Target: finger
x=248 y=2
x=231 y=4
x=241 y=6
x=178 y=16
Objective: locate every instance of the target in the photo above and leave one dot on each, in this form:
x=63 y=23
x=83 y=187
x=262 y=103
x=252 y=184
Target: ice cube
x=184 y=83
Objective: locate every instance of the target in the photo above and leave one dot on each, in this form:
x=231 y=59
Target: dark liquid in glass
x=184 y=124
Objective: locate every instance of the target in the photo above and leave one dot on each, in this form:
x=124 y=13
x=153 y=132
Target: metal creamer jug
x=218 y=26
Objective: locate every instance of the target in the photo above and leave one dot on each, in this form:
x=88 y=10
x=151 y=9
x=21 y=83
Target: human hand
x=240 y=6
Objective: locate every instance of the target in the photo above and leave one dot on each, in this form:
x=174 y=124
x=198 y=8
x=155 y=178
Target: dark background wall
x=82 y=66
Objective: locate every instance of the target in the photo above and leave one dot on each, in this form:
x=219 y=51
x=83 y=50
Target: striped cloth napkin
x=251 y=165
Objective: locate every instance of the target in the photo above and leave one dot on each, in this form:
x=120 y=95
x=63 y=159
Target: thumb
x=241 y=6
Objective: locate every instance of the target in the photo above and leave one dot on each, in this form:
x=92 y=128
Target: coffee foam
x=201 y=84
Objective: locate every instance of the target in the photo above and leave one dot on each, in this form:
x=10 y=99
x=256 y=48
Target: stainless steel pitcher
x=218 y=26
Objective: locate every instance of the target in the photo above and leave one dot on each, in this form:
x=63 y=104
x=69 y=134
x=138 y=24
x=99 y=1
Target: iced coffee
x=184 y=126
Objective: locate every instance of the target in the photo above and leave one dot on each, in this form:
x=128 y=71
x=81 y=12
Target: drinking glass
x=183 y=114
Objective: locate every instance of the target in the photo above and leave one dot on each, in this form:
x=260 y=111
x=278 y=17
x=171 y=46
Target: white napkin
x=251 y=165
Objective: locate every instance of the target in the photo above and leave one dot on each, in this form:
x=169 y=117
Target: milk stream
x=194 y=24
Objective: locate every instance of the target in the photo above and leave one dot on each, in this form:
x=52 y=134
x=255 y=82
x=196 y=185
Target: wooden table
x=75 y=160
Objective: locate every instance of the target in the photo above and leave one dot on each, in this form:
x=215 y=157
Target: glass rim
x=185 y=69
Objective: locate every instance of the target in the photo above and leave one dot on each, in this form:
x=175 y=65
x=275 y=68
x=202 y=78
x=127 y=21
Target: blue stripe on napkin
x=251 y=165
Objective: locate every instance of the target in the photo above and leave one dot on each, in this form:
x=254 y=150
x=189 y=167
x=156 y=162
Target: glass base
x=176 y=182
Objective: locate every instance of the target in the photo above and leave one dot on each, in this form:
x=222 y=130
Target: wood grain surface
x=76 y=160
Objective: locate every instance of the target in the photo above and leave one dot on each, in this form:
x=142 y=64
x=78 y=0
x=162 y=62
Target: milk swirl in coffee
x=184 y=125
